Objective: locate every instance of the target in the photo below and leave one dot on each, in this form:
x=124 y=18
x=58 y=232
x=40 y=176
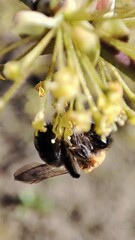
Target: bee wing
x=35 y=172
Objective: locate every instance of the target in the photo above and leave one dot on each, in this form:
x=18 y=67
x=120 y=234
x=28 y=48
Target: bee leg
x=70 y=161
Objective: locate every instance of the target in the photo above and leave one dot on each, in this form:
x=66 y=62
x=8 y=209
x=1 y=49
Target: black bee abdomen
x=96 y=140
x=48 y=147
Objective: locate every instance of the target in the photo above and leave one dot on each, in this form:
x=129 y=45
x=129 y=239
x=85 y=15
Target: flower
x=83 y=83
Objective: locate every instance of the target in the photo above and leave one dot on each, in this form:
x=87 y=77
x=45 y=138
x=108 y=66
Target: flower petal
x=34 y=23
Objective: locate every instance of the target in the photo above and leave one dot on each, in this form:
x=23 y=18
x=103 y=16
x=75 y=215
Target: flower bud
x=109 y=28
x=81 y=120
x=12 y=70
x=66 y=6
x=34 y=23
x=115 y=92
x=65 y=84
x=87 y=41
x=39 y=122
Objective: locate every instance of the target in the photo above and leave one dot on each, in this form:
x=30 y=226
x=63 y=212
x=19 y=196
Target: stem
x=10 y=93
x=130 y=113
x=106 y=69
x=111 y=58
x=67 y=45
x=26 y=52
x=130 y=22
x=103 y=71
x=28 y=60
x=72 y=53
x=60 y=50
x=92 y=74
x=127 y=90
x=71 y=106
x=53 y=60
x=16 y=45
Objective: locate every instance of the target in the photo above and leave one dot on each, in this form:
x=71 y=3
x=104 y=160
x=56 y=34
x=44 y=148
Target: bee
x=84 y=152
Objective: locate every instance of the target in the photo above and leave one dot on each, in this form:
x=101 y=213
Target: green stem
x=10 y=93
x=100 y=68
x=130 y=22
x=26 y=52
x=53 y=61
x=69 y=58
x=60 y=55
x=104 y=71
x=73 y=55
x=127 y=90
x=28 y=60
x=92 y=74
x=130 y=113
x=16 y=45
x=71 y=106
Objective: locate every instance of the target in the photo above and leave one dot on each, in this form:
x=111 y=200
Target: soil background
x=100 y=205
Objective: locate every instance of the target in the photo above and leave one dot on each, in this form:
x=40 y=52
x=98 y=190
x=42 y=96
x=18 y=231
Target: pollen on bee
x=53 y=141
x=94 y=161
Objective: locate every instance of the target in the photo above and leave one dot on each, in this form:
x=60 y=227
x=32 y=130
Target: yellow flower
x=39 y=122
x=81 y=120
x=65 y=84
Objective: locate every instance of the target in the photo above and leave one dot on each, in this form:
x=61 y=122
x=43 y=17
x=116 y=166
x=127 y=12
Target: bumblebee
x=85 y=152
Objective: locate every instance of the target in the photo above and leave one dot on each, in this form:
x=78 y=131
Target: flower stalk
x=88 y=43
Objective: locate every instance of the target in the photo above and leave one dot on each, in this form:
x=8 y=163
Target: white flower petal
x=34 y=23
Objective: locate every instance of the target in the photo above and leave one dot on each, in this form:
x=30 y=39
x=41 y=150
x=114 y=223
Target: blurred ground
x=100 y=205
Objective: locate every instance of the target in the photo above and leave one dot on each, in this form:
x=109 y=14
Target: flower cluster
x=83 y=84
